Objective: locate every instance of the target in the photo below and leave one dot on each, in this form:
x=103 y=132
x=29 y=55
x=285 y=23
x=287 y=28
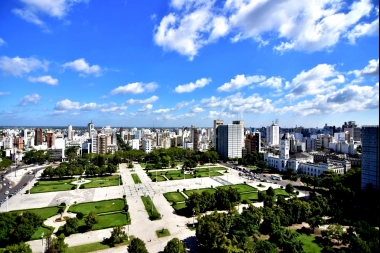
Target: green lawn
x=179 y=206
x=136 y=178
x=111 y=220
x=199 y=191
x=281 y=192
x=174 y=197
x=104 y=206
x=47 y=230
x=205 y=169
x=149 y=206
x=240 y=187
x=113 y=177
x=51 y=188
x=91 y=247
x=309 y=244
x=101 y=183
x=252 y=196
x=158 y=178
x=45 y=212
x=56 y=181
x=162 y=233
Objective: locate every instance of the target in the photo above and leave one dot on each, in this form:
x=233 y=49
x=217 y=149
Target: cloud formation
x=30 y=99
x=135 y=88
x=302 y=25
x=43 y=79
x=190 y=87
x=80 y=65
x=239 y=82
x=68 y=105
x=18 y=66
x=150 y=100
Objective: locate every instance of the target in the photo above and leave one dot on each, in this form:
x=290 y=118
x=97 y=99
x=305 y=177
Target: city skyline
x=174 y=64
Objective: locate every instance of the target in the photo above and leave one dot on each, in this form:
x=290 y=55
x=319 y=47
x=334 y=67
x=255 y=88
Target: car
x=5 y=184
x=10 y=187
x=7 y=192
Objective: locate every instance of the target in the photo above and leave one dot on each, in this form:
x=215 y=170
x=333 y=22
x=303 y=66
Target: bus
x=274 y=177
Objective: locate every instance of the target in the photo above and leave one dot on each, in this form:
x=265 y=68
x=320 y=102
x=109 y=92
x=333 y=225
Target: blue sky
x=181 y=63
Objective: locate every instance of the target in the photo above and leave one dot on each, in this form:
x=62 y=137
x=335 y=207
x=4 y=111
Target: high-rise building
x=370 y=156
x=50 y=138
x=18 y=143
x=253 y=142
x=38 y=137
x=194 y=138
x=215 y=137
x=70 y=132
x=229 y=141
x=241 y=123
x=273 y=135
x=90 y=128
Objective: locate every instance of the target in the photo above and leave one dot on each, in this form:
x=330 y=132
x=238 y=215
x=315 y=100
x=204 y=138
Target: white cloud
x=115 y=109
x=2 y=42
x=318 y=80
x=4 y=93
x=301 y=25
x=372 y=69
x=82 y=66
x=352 y=98
x=160 y=111
x=145 y=109
x=57 y=113
x=197 y=109
x=273 y=82
x=18 y=66
x=363 y=29
x=30 y=99
x=172 y=117
x=43 y=79
x=182 y=104
x=53 y=8
x=135 y=88
x=239 y=82
x=190 y=87
x=191 y=28
x=68 y=105
x=152 y=99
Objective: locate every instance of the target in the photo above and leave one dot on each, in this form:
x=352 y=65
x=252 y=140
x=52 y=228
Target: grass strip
x=95 y=246
x=162 y=233
x=136 y=178
x=149 y=206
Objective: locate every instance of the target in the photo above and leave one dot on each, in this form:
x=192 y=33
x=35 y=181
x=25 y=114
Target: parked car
x=7 y=192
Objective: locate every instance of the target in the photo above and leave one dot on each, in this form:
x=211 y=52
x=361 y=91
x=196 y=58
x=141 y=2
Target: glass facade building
x=370 y=156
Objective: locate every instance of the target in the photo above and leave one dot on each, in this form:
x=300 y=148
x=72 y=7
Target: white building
x=273 y=135
x=134 y=144
x=147 y=145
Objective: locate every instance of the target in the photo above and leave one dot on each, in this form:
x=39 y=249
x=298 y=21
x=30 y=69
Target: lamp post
x=193 y=217
x=208 y=167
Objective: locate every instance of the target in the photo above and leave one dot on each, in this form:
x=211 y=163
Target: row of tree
x=221 y=199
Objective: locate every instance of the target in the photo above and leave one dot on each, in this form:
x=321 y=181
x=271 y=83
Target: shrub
x=73 y=187
x=126 y=208
x=297 y=192
x=124 y=196
x=184 y=189
x=171 y=178
x=282 y=187
x=36 y=184
x=245 y=182
x=149 y=174
x=177 y=190
x=63 y=204
x=155 y=216
x=154 y=180
x=27 y=191
x=80 y=215
x=244 y=201
x=212 y=186
x=81 y=186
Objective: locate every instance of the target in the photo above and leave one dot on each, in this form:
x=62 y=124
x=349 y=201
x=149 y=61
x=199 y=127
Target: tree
x=289 y=188
x=175 y=246
x=59 y=243
x=137 y=246
x=18 y=248
x=270 y=192
x=91 y=219
x=265 y=246
x=335 y=232
x=117 y=235
x=71 y=226
x=315 y=221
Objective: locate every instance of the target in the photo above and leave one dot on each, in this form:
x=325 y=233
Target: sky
x=179 y=63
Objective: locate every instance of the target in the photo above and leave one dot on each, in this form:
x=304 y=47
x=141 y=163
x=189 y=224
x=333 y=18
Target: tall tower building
x=90 y=128
x=194 y=135
x=241 y=123
x=50 y=139
x=70 y=132
x=37 y=136
x=273 y=135
x=215 y=138
x=370 y=156
x=229 y=141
